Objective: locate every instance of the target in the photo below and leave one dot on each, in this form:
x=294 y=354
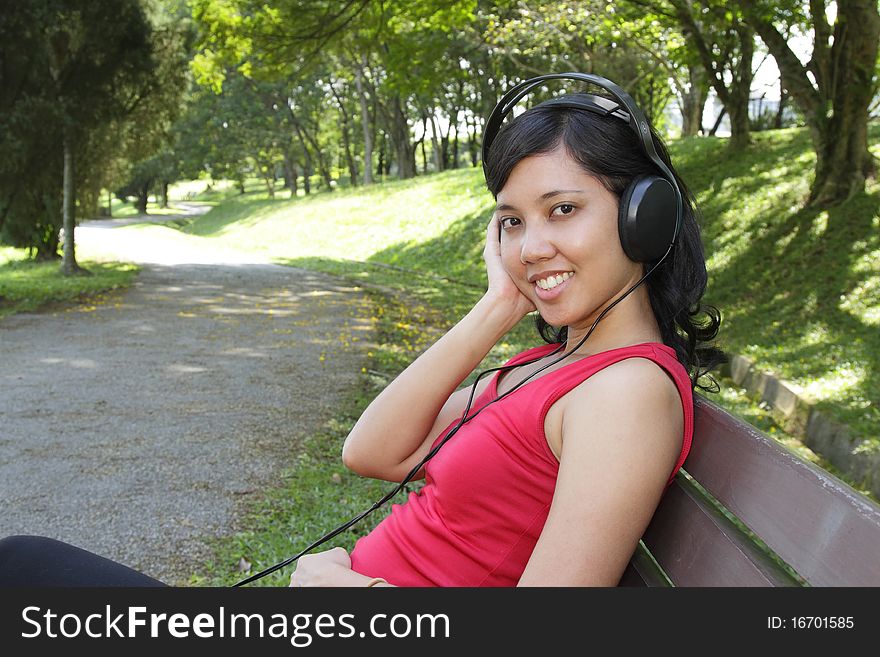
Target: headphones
x=649 y=220
x=651 y=207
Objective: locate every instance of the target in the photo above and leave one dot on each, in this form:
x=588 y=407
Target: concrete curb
x=852 y=454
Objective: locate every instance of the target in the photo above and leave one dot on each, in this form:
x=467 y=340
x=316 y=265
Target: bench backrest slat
x=643 y=570
x=696 y=545
x=820 y=526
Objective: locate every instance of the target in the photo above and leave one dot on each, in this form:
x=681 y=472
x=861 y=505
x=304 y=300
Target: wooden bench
x=816 y=530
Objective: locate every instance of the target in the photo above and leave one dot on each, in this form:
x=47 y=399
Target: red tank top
x=488 y=490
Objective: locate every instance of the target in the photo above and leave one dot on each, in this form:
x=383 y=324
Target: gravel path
x=137 y=426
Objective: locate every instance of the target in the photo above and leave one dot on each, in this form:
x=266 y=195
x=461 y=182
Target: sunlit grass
x=26 y=285
x=355 y=223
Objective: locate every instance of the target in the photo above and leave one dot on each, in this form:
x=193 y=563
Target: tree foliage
x=84 y=74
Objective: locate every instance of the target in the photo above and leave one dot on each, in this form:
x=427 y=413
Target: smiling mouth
x=552 y=281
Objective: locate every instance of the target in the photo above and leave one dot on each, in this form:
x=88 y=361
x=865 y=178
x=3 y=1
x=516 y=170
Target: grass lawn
x=799 y=291
x=27 y=285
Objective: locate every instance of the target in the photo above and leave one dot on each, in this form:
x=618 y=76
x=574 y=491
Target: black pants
x=36 y=561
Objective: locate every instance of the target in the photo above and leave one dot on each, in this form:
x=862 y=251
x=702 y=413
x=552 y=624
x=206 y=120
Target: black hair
x=607 y=148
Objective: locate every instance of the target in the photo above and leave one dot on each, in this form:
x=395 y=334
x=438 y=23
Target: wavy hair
x=607 y=148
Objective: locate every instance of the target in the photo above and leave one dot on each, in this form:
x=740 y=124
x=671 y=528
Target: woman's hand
x=329 y=568
x=502 y=289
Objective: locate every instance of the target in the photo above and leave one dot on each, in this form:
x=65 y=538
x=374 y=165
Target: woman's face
x=559 y=239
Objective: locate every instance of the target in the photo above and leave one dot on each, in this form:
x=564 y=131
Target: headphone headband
x=633 y=116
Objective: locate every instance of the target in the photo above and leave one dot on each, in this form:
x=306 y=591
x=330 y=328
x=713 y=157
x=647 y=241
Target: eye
x=509 y=222
x=564 y=208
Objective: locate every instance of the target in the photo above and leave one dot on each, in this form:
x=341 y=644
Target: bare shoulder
x=636 y=393
x=634 y=380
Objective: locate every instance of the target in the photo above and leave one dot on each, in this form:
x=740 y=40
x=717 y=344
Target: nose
x=536 y=245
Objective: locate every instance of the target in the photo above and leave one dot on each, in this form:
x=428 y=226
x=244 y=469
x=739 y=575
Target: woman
x=556 y=485
x=556 y=474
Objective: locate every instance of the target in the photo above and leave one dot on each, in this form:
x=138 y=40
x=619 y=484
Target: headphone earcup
x=647 y=217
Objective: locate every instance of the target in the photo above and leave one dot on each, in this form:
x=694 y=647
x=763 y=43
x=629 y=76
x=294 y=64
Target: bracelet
x=376 y=580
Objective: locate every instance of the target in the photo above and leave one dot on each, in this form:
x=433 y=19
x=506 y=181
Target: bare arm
x=396 y=430
x=616 y=458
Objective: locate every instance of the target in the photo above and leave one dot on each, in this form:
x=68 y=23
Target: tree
x=63 y=55
x=833 y=89
x=390 y=47
x=142 y=135
x=621 y=43
x=724 y=45
x=30 y=172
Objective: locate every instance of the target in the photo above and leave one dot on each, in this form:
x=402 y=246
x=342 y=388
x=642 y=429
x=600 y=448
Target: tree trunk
x=406 y=166
x=734 y=95
x=346 y=140
x=740 y=90
x=306 y=139
x=349 y=157
x=68 y=265
x=294 y=185
x=290 y=173
x=307 y=175
x=366 y=125
x=47 y=242
x=455 y=146
x=693 y=100
x=717 y=123
x=780 y=111
x=444 y=140
x=163 y=195
x=307 y=156
x=691 y=114
x=833 y=90
x=436 y=146
x=109 y=203
x=471 y=123
x=142 y=198
x=322 y=160
x=268 y=171
x=739 y=125
x=421 y=143
x=843 y=161
x=381 y=167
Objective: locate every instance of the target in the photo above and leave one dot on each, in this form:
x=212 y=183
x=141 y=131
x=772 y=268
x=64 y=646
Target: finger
x=493 y=235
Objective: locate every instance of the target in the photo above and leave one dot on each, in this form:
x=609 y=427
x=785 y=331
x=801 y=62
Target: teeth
x=552 y=281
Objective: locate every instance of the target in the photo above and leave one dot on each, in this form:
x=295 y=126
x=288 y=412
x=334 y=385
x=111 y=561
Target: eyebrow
x=543 y=197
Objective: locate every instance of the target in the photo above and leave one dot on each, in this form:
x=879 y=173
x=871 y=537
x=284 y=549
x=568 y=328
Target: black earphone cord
x=464 y=418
